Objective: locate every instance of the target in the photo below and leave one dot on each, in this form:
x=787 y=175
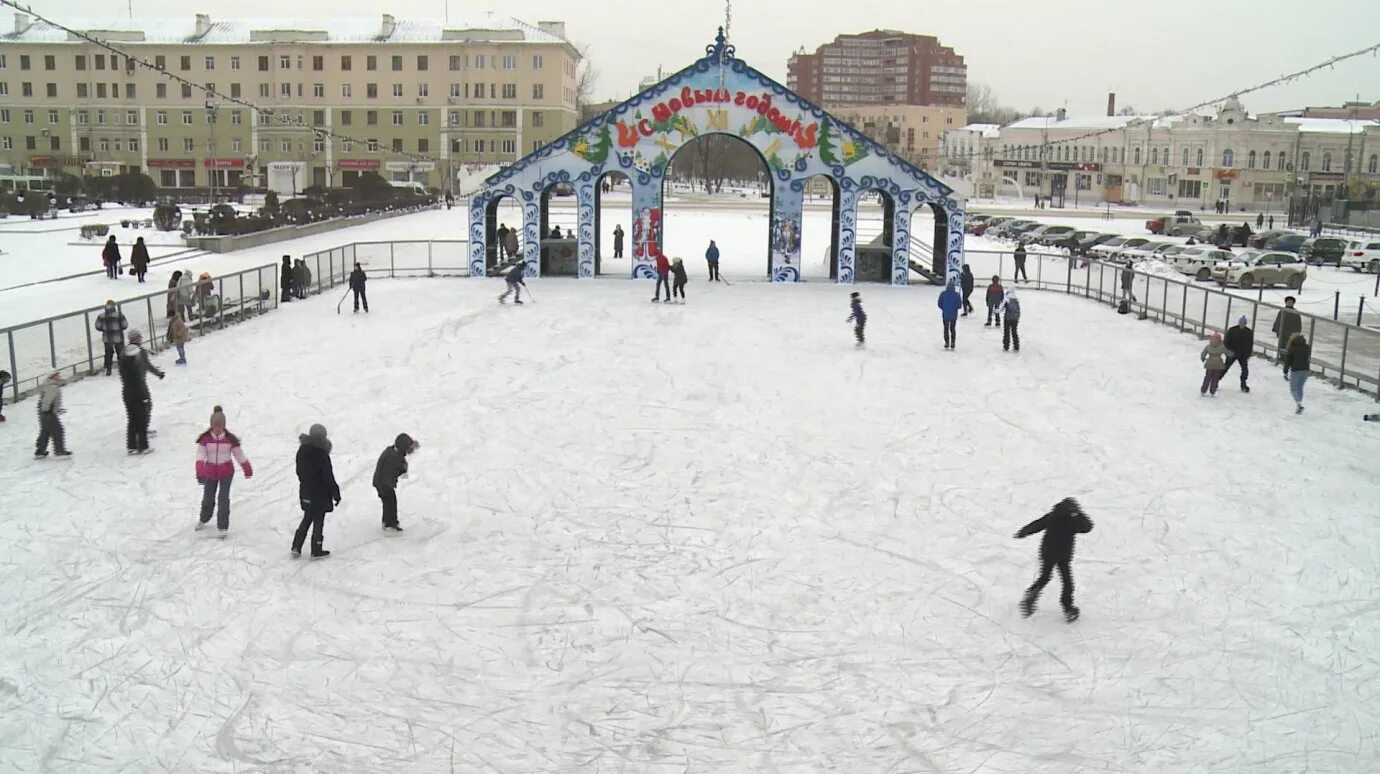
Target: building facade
x=418 y=98
x=912 y=132
x=883 y=67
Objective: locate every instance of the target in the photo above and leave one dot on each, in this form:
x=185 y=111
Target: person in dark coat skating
x=134 y=389
x=1061 y=526
x=1240 y=341
x=110 y=256
x=516 y=280
x=316 y=488
x=1019 y=274
x=1011 y=324
x=858 y=318
x=391 y=466
x=139 y=259
x=287 y=276
x=618 y=241
x=357 y=282
x=966 y=281
x=949 y=303
x=678 y=279
x=111 y=323
x=995 y=294
x=711 y=256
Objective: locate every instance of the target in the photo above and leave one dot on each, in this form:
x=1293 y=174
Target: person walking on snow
x=172 y=292
x=678 y=285
x=516 y=281
x=139 y=259
x=618 y=241
x=110 y=256
x=134 y=369
x=49 y=424
x=1298 y=359
x=217 y=451
x=1240 y=342
x=1260 y=220
x=1011 y=323
x=995 y=295
x=111 y=323
x=663 y=275
x=502 y=235
x=967 y=282
x=1061 y=526
x=177 y=337
x=711 y=256
x=391 y=466
x=1019 y=274
x=285 y=282
x=1287 y=323
x=950 y=302
x=858 y=318
x=358 y=279
x=316 y=488
x=1214 y=357
x=510 y=243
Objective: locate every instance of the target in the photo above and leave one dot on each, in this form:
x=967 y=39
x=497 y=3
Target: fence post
x=1164 y=298
x=1101 y=276
x=390 y=260
x=1341 y=369
x=220 y=308
x=1068 y=283
x=1226 y=321
x=14 y=370
x=1337 y=302
x=90 y=350
x=1087 y=283
x=431 y=271
x=153 y=332
x=1260 y=293
x=1377 y=292
x=1183 y=307
x=1205 y=305
x=1360 y=308
x=52 y=344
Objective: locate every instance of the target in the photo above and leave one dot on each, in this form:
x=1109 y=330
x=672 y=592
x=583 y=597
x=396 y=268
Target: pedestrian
x=391 y=466
x=111 y=323
x=134 y=369
x=316 y=489
x=1061 y=526
x=859 y=319
x=358 y=280
x=1128 y=278
x=285 y=283
x=205 y=290
x=299 y=279
x=950 y=302
x=1297 y=362
x=663 y=276
x=49 y=423
x=1240 y=342
x=1011 y=322
x=1223 y=235
x=967 y=282
x=510 y=243
x=1191 y=242
x=1260 y=220
x=516 y=281
x=1271 y=221
x=178 y=335
x=995 y=295
x=1245 y=234
x=618 y=241
x=217 y=451
x=711 y=256
x=1213 y=357
x=172 y=292
x=186 y=292
x=502 y=234
x=678 y=284
x=4 y=380
x=139 y=259
x=556 y=233
x=110 y=256
x=450 y=199
x=1020 y=274
x=306 y=279
x=1287 y=323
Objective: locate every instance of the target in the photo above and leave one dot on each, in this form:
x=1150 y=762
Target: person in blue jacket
x=858 y=318
x=712 y=257
x=950 y=302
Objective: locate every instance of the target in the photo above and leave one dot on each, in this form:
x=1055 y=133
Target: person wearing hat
x=1240 y=342
x=111 y=323
x=679 y=279
x=950 y=303
x=358 y=280
x=391 y=466
x=134 y=388
x=316 y=488
x=285 y=282
x=1065 y=522
x=1213 y=357
x=110 y=256
x=217 y=451
x=49 y=425
x=186 y=293
x=995 y=294
x=178 y=335
x=139 y=259
x=1287 y=323
x=1011 y=325
x=515 y=281
x=858 y=318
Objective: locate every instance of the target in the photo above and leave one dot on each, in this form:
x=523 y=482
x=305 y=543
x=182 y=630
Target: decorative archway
x=722 y=94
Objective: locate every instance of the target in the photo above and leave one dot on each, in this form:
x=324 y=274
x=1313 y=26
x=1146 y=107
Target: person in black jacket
x=392 y=465
x=134 y=389
x=317 y=489
x=514 y=277
x=1019 y=274
x=678 y=280
x=286 y=282
x=966 y=279
x=110 y=256
x=139 y=259
x=858 y=318
x=357 y=280
x=502 y=234
x=1061 y=525
x=1240 y=341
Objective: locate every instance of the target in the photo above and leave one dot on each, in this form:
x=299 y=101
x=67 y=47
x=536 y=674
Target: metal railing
x=404 y=258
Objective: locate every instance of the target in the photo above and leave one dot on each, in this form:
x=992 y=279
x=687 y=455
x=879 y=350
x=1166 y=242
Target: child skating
x=516 y=281
x=392 y=465
x=1214 y=357
x=678 y=280
x=178 y=336
x=49 y=418
x=1061 y=525
x=859 y=320
x=217 y=451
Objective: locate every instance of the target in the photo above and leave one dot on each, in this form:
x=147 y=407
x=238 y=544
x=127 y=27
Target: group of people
x=1002 y=305
x=295 y=278
x=138 y=259
x=1238 y=346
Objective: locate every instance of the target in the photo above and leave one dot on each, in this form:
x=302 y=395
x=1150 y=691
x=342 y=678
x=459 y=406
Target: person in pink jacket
x=217 y=451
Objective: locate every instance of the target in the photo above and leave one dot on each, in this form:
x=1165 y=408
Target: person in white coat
x=186 y=291
x=49 y=423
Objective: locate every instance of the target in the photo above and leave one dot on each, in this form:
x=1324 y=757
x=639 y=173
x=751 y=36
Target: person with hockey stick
x=49 y=424
x=217 y=451
x=111 y=323
x=859 y=320
x=391 y=466
x=1061 y=526
x=358 y=279
x=516 y=281
x=316 y=488
x=134 y=369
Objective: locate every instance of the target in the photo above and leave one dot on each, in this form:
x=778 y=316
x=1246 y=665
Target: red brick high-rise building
x=883 y=67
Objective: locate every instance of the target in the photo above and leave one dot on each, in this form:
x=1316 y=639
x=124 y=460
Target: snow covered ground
x=710 y=537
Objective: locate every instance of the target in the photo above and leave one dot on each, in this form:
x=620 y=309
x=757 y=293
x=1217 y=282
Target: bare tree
x=1127 y=111
x=984 y=107
x=586 y=77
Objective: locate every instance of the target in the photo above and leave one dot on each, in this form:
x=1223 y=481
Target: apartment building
x=417 y=99
x=911 y=132
x=882 y=67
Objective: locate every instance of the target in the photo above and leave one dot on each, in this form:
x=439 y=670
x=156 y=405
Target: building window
x=318 y=144
x=397 y=90
x=454 y=62
x=263 y=63
x=423 y=118
x=538 y=91
x=186 y=118
x=1199 y=158
x=263 y=90
x=478 y=146
x=1281 y=163
x=1327 y=161
x=538 y=119
x=1228 y=158
x=371 y=91
x=81 y=62
x=1374 y=165
x=134 y=145
x=537 y=62
x=423 y=145
x=1266 y=165
x=28 y=116
x=210 y=63
x=478 y=119
x=347 y=145
x=345 y=90
x=345 y=63
x=509 y=146
x=103 y=143
x=1154 y=155
x=508 y=119
x=236 y=145
x=284 y=62
x=318 y=63
x=318 y=90
x=455 y=91
x=285 y=90
x=163 y=144
x=510 y=91
x=422 y=62
x=184 y=63
x=1250 y=160
x=318 y=117
x=371 y=118
x=131 y=117
x=186 y=91
x=1305 y=161
x=397 y=118
x=235 y=117
x=373 y=145
x=371 y=63
x=129 y=90
x=478 y=62
x=188 y=144
x=84 y=118
x=1137 y=155
x=346 y=117
x=265 y=146
x=509 y=62
x=285 y=146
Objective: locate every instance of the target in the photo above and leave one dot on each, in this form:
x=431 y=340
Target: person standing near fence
x=1240 y=341
x=217 y=451
x=177 y=337
x=186 y=291
x=510 y=243
x=1287 y=323
x=285 y=281
x=139 y=259
x=111 y=323
x=502 y=235
x=1019 y=274
x=966 y=281
x=1298 y=359
x=950 y=302
x=110 y=256
x=49 y=422
x=134 y=369
x=1213 y=358
x=1128 y=278
x=357 y=281
x=995 y=294
x=299 y=279
x=172 y=292
x=1011 y=322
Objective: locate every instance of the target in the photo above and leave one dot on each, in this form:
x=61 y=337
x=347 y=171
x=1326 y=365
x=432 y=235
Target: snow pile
x=1158 y=268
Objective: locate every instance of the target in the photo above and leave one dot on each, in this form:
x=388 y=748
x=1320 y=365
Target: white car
x=1362 y=255
x=1144 y=252
x=1198 y=261
x=1108 y=250
x=1264 y=268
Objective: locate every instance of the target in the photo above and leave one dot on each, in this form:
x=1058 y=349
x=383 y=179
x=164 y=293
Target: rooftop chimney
x=556 y=28
x=203 y=24
x=389 y=24
x=1111 y=103
x=21 y=22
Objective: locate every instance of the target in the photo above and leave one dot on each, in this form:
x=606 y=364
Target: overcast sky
x=1048 y=53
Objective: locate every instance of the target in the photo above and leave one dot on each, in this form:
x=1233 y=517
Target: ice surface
x=710 y=537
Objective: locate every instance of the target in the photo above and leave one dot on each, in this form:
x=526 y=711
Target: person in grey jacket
x=391 y=466
x=111 y=323
x=1128 y=276
x=49 y=425
x=1214 y=357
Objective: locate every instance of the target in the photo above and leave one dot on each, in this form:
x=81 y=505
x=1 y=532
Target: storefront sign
x=1016 y=164
x=666 y=116
x=1227 y=174
x=1326 y=177
x=61 y=161
x=172 y=164
x=410 y=166
x=358 y=164
x=224 y=163
x=1075 y=166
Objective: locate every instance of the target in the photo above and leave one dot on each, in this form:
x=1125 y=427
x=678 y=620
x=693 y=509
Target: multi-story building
x=883 y=67
x=415 y=98
x=911 y=132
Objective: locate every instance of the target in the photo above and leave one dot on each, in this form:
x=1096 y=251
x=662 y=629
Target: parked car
x=989 y=225
x=974 y=221
x=1362 y=255
x=1259 y=239
x=1266 y=268
x=1199 y=261
x=1286 y=243
x=1053 y=236
x=1142 y=252
x=1020 y=232
x=1323 y=250
x=1108 y=250
x=1003 y=230
x=1181 y=224
x=1093 y=240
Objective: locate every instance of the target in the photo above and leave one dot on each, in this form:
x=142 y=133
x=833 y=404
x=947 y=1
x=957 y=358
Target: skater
x=1240 y=342
x=134 y=368
x=950 y=302
x=358 y=279
x=711 y=256
x=285 y=284
x=1297 y=361
x=510 y=243
x=618 y=241
x=177 y=337
x=995 y=295
x=502 y=234
x=4 y=380
x=1214 y=357
x=217 y=451
x=139 y=259
x=967 y=282
x=1128 y=277
x=516 y=282
x=316 y=488
x=1061 y=526
x=299 y=279
x=450 y=199
x=678 y=284
x=391 y=466
x=1019 y=274
x=663 y=274
x=111 y=323
x=49 y=425
x=1271 y=222
x=859 y=320
x=1011 y=323
x=1287 y=323
x=186 y=291
x=110 y=256
x=172 y=292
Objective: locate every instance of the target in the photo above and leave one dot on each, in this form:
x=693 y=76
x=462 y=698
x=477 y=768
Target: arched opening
x=502 y=214
x=712 y=160
x=929 y=244
x=558 y=231
x=613 y=190
x=819 y=229
x=876 y=223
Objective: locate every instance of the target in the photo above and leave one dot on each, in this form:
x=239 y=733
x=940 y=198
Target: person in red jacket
x=663 y=277
x=217 y=451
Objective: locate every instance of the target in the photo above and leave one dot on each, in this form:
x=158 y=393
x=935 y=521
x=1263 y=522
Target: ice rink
x=701 y=538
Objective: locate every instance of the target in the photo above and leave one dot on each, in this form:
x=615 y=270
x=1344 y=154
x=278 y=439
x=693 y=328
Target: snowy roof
x=1077 y=122
x=319 y=29
x=987 y=130
x=1331 y=125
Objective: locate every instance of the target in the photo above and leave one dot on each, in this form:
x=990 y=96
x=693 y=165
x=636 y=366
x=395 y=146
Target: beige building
x=420 y=98
x=911 y=132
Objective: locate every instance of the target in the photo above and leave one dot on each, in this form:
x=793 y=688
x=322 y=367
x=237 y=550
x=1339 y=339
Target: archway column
x=900 y=244
x=531 y=235
x=584 y=207
x=478 y=206
x=787 y=208
x=646 y=226
x=847 y=235
x=954 y=250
